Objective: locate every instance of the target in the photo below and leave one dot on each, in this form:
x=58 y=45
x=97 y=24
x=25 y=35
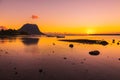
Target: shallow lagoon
x=47 y=58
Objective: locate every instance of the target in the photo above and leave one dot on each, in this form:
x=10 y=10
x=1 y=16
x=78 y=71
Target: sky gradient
x=71 y=16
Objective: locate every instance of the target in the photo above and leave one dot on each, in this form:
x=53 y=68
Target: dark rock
x=87 y=41
x=82 y=62
x=40 y=70
x=119 y=59
x=104 y=43
x=65 y=58
x=94 y=53
x=53 y=51
x=60 y=36
x=113 y=41
x=15 y=68
x=84 y=59
x=6 y=52
x=86 y=70
x=16 y=73
x=71 y=45
x=118 y=43
x=30 y=29
x=53 y=43
x=73 y=63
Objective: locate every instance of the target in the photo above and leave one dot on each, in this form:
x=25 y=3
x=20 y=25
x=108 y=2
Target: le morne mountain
x=26 y=29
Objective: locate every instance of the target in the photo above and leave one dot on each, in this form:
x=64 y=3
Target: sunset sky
x=70 y=16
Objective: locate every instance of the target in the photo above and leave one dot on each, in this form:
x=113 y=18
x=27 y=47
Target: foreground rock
x=94 y=53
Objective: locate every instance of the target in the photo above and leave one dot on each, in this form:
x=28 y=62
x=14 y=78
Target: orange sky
x=71 y=16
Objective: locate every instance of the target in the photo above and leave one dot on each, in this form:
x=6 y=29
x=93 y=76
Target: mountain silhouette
x=30 y=29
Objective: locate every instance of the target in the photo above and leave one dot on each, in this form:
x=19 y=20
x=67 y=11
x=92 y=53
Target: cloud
x=35 y=17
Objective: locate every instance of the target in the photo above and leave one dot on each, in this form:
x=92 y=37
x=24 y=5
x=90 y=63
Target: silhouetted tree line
x=12 y=32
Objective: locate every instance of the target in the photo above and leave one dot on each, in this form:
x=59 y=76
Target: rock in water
x=119 y=59
x=94 y=53
x=30 y=29
x=40 y=70
x=71 y=45
x=113 y=41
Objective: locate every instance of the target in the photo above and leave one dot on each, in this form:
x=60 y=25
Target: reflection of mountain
x=4 y=39
x=30 y=41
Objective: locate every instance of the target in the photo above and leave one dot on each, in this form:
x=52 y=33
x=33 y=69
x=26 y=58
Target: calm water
x=46 y=58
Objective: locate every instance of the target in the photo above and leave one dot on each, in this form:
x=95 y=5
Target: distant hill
x=3 y=28
x=30 y=29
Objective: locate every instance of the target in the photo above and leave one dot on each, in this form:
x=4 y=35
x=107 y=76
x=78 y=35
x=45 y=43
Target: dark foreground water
x=46 y=58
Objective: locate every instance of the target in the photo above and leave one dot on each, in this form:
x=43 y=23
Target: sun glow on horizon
x=90 y=31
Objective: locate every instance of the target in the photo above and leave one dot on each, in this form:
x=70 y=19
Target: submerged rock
x=53 y=43
x=87 y=41
x=65 y=58
x=113 y=41
x=103 y=43
x=40 y=70
x=60 y=36
x=82 y=62
x=71 y=45
x=94 y=53
x=6 y=52
x=14 y=68
x=84 y=59
x=118 y=43
x=73 y=63
x=53 y=51
x=119 y=59
x=16 y=73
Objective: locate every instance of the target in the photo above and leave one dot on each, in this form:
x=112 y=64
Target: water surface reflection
x=47 y=58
